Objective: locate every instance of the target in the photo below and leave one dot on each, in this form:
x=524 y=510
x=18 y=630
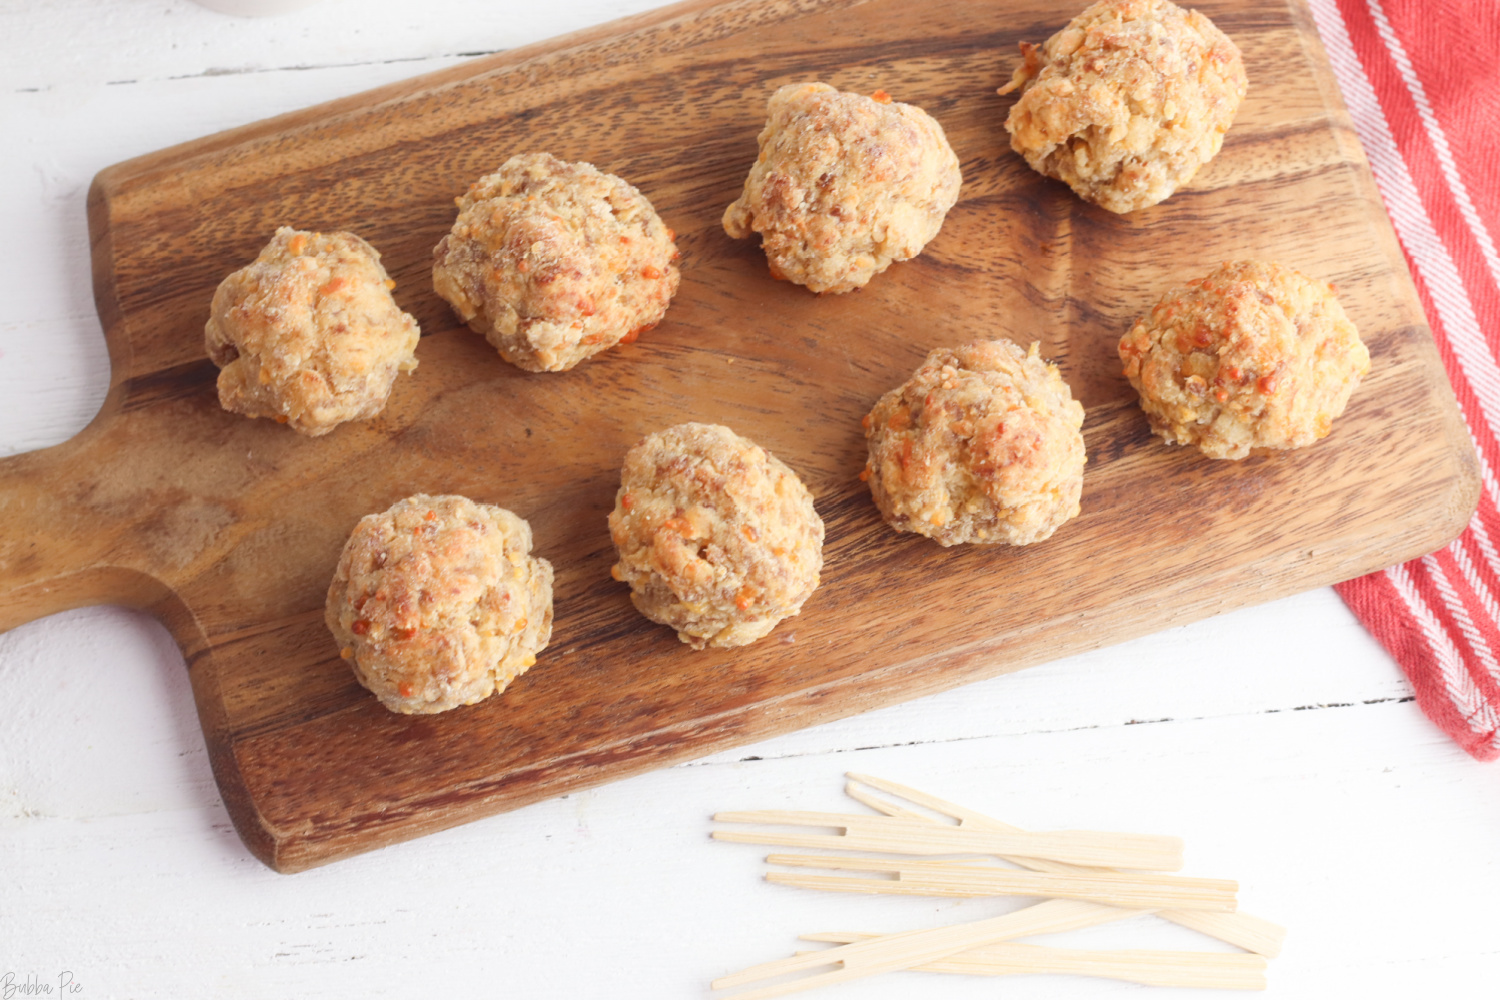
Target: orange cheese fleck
x=635 y=334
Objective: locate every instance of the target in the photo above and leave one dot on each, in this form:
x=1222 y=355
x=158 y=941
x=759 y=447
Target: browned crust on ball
x=1253 y=355
x=982 y=444
x=554 y=262
x=438 y=602
x=716 y=537
x=844 y=186
x=1127 y=102
x=308 y=335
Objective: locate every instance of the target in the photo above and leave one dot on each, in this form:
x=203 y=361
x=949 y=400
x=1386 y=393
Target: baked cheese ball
x=554 y=262
x=1254 y=355
x=438 y=602
x=844 y=186
x=983 y=444
x=1127 y=102
x=716 y=537
x=308 y=335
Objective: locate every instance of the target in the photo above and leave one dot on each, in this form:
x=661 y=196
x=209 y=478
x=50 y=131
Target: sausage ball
x=1254 y=355
x=308 y=334
x=438 y=602
x=1127 y=102
x=716 y=537
x=982 y=444
x=844 y=186
x=554 y=262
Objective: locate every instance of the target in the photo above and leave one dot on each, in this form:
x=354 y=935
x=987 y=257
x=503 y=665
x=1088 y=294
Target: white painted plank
x=117 y=701
x=1300 y=653
x=114 y=43
x=620 y=886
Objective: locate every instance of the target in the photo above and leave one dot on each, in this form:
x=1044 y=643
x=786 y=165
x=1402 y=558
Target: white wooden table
x=1280 y=741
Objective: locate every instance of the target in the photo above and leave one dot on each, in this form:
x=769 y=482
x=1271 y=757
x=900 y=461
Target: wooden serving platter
x=229 y=528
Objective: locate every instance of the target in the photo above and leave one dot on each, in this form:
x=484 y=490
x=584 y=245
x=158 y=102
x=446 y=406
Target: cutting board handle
x=67 y=543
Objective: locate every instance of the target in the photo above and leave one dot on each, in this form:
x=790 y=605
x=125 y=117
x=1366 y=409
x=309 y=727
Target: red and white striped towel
x=1422 y=82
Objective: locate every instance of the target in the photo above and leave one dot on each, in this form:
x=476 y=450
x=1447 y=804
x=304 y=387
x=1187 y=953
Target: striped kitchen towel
x=1422 y=82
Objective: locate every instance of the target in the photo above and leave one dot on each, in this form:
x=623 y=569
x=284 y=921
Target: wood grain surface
x=229 y=528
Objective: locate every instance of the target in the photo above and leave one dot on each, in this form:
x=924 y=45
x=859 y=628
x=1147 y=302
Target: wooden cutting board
x=229 y=528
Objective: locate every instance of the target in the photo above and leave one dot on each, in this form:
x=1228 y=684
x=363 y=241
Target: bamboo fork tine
x=829 y=840
x=1240 y=929
x=921 y=798
x=789 y=817
x=905 y=866
x=900 y=835
x=783 y=817
x=1193 y=969
x=801 y=962
x=947 y=878
x=1125 y=900
x=891 y=952
x=846 y=958
x=973 y=820
x=878 y=804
